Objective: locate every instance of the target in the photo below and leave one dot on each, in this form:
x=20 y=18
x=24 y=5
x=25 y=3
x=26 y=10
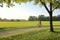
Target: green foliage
x=36 y=1
x=10 y=2
x=32 y=18
x=35 y=35
x=54 y=5
x=19 y=1
x=43 y=18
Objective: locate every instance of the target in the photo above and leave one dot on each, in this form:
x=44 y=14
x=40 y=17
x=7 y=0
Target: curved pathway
x=22 y=30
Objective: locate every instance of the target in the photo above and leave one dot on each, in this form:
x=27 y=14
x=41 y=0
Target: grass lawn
x=26 y=24
x=6 y=26
x=35 y=35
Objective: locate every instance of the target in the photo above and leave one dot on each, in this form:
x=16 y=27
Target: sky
x=23 y=11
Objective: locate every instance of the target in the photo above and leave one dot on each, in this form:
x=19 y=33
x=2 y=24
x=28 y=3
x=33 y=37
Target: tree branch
x=1 y=5
x=56 y=7
x=45 y=6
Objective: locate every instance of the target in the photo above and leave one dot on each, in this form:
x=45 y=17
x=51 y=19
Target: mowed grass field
x=21 y=24
x=43 y=34
x=6 y=26
x=26 y=24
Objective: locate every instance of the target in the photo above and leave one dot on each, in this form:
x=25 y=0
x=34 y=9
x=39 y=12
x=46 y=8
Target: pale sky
x=23 y=11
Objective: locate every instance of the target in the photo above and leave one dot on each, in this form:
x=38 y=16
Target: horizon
x=24 y=19
x=23 y=11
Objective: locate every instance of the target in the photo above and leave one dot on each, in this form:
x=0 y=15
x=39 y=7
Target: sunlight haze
x=23 y=11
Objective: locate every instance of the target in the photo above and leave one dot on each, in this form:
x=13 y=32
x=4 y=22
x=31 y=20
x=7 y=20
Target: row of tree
x=13 y=20
x=44 y=18
x=34 y=18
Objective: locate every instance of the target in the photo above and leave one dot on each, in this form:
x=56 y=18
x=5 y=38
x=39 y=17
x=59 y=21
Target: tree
x=54 y=18
x=58 y=17
x=12 y=20
x=32 y=18
x=53 y=4
x=41 y=17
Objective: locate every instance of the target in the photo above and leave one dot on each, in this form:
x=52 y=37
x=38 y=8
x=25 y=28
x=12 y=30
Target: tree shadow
x=2 y=29
x=57 y=32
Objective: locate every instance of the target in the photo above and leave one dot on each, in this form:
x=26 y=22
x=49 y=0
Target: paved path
x=21 y=30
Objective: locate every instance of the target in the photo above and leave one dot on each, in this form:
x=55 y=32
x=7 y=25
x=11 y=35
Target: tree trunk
x=51 y=22
x=39 y=24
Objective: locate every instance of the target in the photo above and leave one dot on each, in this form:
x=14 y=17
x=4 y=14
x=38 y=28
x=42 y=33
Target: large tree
x=53 y=4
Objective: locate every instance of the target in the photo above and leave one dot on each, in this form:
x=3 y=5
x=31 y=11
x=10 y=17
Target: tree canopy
x=11 y=2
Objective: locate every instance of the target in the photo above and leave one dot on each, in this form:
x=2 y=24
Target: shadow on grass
x=2 y=29
x=57 y=32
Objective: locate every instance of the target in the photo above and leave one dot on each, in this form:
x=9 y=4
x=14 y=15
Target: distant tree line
x=14 y=20
x=34 y=18
x=43 y=18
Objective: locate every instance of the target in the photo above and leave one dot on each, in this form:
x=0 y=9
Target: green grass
x=18 y=24
x=35 y=35
x=46 y=23
x=26 y=24
x=7 y=26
